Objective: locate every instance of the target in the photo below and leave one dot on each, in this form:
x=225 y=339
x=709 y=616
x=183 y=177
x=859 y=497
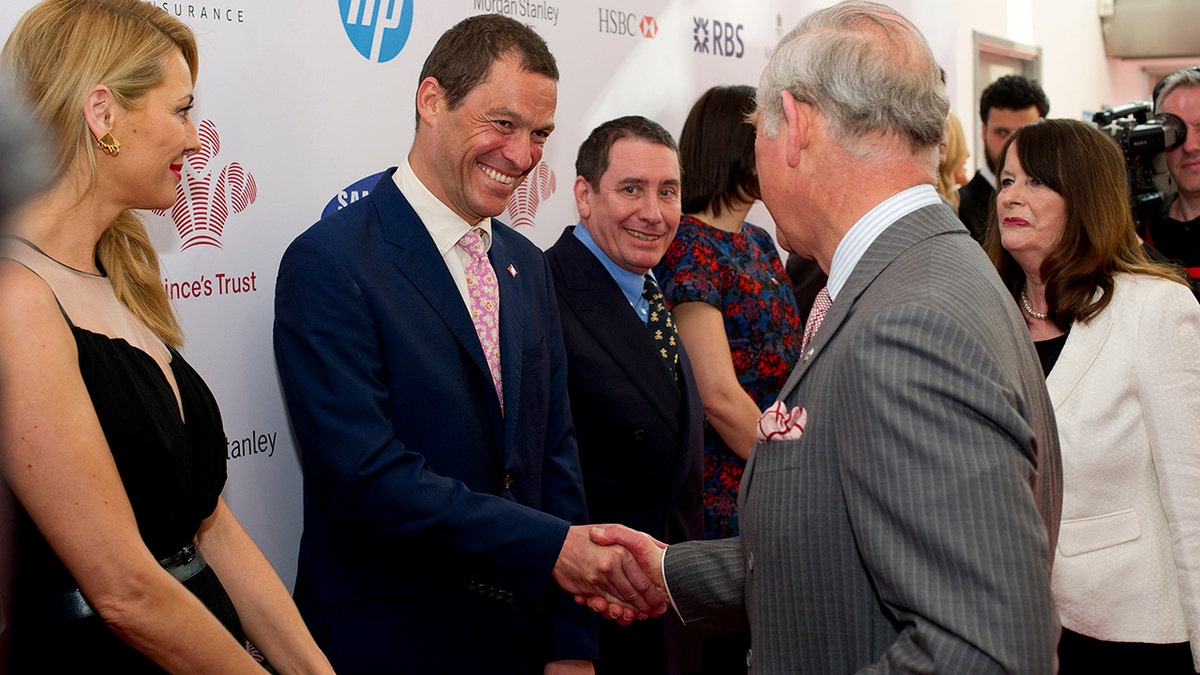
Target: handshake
x=617 y=572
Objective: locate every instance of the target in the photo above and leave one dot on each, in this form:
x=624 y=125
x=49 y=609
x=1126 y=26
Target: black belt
x=184 y=565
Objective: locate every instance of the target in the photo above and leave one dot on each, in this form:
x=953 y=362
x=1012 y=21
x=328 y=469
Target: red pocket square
x=780 y=424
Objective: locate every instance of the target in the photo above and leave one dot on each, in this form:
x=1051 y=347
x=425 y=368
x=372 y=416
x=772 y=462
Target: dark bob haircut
x=716 y=151
x=1086 y=168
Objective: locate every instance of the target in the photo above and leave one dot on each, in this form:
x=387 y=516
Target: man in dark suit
x=1175 y=231
x=421 y=356
x=900 y=509
x=1006 y=105
x=637 y=411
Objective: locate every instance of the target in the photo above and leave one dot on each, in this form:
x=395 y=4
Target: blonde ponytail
x=131 y=264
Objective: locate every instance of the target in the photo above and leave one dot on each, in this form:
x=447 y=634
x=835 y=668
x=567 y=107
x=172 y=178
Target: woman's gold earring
x=110 y=145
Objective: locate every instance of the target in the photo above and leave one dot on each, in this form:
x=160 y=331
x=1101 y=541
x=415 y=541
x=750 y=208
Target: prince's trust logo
x=378 y=29
x=535 y=189
x=206 y=196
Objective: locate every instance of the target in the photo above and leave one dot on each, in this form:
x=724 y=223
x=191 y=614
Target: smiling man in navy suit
x=422 y=359
x=634 y=400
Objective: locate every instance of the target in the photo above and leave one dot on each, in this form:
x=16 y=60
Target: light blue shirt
x=860 y=237
x=630 y=283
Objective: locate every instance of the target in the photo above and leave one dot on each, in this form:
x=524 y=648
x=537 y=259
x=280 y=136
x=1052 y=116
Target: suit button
x=750 y=562
x=639 y=435
x=508 y=480
x=749 y=658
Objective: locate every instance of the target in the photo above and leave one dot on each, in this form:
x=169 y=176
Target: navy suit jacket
x=641 y=440
x=432 y=521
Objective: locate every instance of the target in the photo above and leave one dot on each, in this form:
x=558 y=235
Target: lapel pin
x=512 y=271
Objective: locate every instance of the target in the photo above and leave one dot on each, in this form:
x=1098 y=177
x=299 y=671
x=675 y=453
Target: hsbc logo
x=649 y=26
x=617 y=22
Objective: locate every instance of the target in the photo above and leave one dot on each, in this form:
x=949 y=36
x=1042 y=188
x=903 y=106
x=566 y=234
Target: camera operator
x=1176 y=231
x=1006 y=105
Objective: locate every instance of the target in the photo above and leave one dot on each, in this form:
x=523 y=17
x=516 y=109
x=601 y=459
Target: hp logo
x=378 y=29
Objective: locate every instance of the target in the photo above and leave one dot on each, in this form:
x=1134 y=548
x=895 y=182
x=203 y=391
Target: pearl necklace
x=1029 y=309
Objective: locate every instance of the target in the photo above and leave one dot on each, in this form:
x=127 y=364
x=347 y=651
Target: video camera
x=1144 y=139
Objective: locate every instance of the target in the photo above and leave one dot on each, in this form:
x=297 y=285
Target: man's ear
x=431 y=100
x=798 y=121
x=583 y=190
x=99 y=109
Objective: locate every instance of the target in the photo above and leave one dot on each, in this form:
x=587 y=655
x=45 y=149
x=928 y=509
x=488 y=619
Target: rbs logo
x=719 y=38
x=378 y=29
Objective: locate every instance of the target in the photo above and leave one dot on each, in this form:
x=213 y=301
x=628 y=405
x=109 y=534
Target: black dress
x=173 y=472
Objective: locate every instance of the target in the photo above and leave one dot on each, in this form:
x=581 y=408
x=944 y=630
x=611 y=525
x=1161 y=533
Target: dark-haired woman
x=1119 y=340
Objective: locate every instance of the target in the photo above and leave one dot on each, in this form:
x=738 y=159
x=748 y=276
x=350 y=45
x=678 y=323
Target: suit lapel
x=897 y=238
x=605 y=313
x=512 y=319
x=418 y=260
x=1079 y=353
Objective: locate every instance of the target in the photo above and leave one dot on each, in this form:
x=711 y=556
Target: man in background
x=1006 y=105
x=1176 y=232
x=637 y=411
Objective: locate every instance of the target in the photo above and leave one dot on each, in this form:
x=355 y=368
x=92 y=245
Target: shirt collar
x=987 y=174
x=631 y=283
x=444 y=225
x=859 y=238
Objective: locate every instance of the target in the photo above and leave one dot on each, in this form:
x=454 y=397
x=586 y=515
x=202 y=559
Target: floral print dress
x=741 y=274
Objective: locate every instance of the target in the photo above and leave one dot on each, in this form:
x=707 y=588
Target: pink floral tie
x=816 y=315
x=484 y=305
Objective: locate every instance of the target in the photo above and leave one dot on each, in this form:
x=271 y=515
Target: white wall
x=1078 y=77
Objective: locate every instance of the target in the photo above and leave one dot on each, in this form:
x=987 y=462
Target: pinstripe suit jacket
x=911 y=528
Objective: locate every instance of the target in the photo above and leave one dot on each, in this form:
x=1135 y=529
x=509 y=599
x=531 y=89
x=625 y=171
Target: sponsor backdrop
x=300 y=105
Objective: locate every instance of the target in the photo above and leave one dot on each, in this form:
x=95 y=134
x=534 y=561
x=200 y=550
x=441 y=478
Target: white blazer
x=1126 y=395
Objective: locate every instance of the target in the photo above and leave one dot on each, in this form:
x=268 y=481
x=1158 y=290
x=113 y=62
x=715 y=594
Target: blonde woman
x=127 y=557
x=952 y=170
